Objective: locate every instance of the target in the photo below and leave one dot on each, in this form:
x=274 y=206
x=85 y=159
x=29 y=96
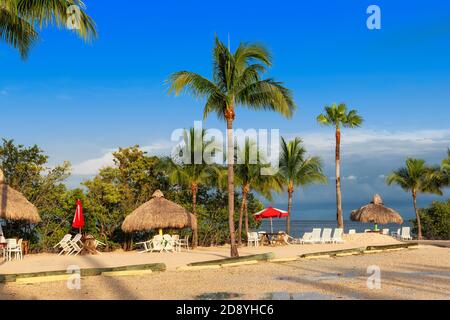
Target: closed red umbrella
x=270 y=213
x=78 y=219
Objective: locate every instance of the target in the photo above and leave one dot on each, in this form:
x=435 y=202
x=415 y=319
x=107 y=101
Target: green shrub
x=435 y=221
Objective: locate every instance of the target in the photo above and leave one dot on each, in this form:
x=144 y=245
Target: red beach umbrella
x=78 y=219
x=270 y=213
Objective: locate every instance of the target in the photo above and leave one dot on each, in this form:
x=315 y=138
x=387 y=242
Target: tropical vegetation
x=236 y=81
x=417 y=177
x=298 y=170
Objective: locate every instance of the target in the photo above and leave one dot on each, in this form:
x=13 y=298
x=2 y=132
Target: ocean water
x=299 y=227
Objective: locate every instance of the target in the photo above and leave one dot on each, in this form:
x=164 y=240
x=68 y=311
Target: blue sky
x=79 y=102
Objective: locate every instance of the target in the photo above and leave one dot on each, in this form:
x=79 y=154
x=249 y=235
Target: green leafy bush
x=435 y=221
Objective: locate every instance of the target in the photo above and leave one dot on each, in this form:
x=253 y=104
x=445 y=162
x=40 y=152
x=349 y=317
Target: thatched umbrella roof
x=159 y=213
x=376 y=212
x=14 y=206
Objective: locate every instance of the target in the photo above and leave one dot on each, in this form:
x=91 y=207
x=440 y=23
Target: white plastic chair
x=157 y=243
x=312 y=237
x=396 y=234
x=385 y=231
x=146 y=244
x=252 y=238
x=337 y=235
x=184 y=242
x=64 y=244
x=76 y=244
x=366 y=230
x=352 y=231
x=406 y=233
x=176 y=240
x=326 y=235
x=13 y=247
x=169 y=244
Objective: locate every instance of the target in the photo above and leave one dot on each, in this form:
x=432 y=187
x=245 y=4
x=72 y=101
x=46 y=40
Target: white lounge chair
x=252 y=239
x=406 y=233
x=326 y=235
x=157 y=243
x=314 y=236
x=76 y=245
x=169 y=243
x=291 y=240
x=352 y=231
x=385 y=231
x=64 y=245
x=307 y=237
x=367 y=230
x=396 y=234
x=337 y=235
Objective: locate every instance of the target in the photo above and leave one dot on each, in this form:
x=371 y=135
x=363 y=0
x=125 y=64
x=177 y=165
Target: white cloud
x=92 y=166
x=375 y=143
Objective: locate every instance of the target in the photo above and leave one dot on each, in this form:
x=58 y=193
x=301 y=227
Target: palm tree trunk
x=419 y=225
x=241 y=214
x=340 y=220
x=194 y=190
x=246 y=218
x=288 y=218
x=230 y=159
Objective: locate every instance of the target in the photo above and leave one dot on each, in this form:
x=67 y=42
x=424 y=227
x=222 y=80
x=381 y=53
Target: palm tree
x=416 y=177
x=337 y=116
x=188 y=171
x=19 y=20
x=298 y=170
x=445 y=168
x=248 y=177
x=236 y=81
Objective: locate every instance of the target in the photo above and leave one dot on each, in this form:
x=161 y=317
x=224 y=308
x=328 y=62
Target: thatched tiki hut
x=14 y=205
x=159 y=213
x=376 y=213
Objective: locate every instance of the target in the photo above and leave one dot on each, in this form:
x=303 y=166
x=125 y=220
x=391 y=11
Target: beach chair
x=169 y=243
x=352 y=231
x=157 y=243
x=326 y=235
x=291 y=240
x=252 y=238
x=184 y=242
x=98 y=243
x=312 y=237
x=147 y=245
x=367 y=230
x=64 y=245
x=13 y=247
x=337 y=236
x=406 y=233
x=176 y=240
x=397 y=233
x=76 y=245
x=385 y=232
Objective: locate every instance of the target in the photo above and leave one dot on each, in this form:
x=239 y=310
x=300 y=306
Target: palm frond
x=17 y=32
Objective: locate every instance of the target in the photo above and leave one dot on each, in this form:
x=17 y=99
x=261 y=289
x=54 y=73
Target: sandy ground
x=422 y=273
x=50 y=262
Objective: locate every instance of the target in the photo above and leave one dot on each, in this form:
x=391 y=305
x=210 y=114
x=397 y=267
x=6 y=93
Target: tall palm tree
x=236 y=81
x=298 y=170
x=416 y=177
x=189 y=171
x=445 y=168
x=248 y=177
x=337 y=117
x=21 y=19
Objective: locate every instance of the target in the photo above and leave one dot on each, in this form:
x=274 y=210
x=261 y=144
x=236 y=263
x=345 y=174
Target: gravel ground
x=422 y=273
